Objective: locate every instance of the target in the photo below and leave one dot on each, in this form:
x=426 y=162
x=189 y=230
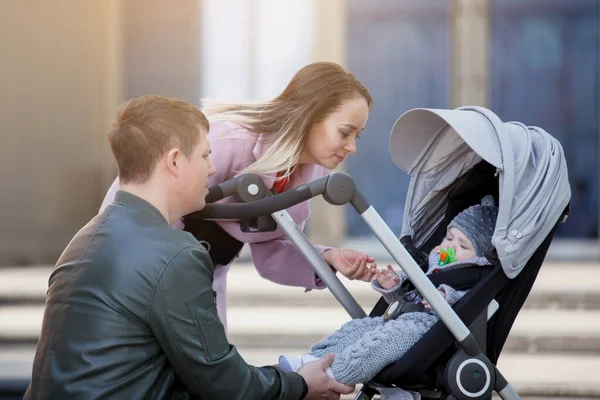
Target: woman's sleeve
x=276 y=258
x=281 y=262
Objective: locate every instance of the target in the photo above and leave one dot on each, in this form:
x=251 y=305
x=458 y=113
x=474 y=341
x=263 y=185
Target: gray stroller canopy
x=436 y=147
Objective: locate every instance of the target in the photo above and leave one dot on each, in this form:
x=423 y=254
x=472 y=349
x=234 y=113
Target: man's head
x=470 y=232
x=157 y=137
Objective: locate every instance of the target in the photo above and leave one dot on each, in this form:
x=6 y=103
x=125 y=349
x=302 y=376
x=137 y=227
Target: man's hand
x=351 y=263
x=321 y=385
x=387 y=278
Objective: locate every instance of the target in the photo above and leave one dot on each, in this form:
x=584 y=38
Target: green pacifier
x=447 y=256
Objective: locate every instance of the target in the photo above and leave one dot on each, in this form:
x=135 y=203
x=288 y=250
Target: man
x=130 y=305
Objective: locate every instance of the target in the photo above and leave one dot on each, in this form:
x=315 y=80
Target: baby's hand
x=426 y=303
x=387 y=278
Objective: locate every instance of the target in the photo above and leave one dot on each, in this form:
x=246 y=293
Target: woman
x=294 y=138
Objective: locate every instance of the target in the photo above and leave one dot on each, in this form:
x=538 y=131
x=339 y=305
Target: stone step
x=553 y=349
x=533 y=376
x=534 y=331
x=559 y=285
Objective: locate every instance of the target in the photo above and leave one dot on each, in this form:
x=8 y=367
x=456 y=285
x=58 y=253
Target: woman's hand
x=351 y=263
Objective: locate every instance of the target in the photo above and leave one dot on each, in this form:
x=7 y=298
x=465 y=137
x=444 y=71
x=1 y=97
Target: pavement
x=553 y=349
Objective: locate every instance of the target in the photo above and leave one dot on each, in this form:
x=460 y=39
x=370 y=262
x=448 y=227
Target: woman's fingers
x=351 y=273
x=363 y=272
x=362 y=269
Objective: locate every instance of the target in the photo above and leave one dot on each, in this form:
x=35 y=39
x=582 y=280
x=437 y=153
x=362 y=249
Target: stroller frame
x=338 y=189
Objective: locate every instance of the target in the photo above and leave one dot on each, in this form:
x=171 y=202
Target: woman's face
x=331 y=140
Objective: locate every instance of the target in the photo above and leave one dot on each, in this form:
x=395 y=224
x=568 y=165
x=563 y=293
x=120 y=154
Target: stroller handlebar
x=255 y=200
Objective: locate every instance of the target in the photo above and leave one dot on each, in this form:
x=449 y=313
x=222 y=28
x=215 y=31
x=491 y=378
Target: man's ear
x=173 y=161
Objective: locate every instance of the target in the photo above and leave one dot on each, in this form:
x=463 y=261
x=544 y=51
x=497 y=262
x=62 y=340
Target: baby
x=363 y=347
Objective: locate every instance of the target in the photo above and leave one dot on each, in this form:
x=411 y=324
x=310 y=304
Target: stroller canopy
x=436 y=147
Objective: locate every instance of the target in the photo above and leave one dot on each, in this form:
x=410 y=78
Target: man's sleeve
x=184 y=320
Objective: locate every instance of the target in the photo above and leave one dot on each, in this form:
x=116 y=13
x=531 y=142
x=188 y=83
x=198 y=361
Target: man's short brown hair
x=148 y=126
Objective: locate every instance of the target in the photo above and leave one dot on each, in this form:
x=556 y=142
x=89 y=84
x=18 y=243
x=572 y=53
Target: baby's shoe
x=289 y=363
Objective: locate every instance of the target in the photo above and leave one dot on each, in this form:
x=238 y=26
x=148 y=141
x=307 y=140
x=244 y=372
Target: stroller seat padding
x=485 y=283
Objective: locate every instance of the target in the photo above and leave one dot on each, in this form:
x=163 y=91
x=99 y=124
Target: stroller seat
x=423 y=368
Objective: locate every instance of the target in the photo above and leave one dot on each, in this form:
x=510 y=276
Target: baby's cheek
x=464 y=255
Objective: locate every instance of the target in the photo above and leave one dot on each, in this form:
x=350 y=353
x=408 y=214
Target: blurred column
x=327 y=225
x=252 y=48
x=59 y=89
x=283 y=39
x=162 y=48
x=329 y=42
x=226 y=49
x=470 y=36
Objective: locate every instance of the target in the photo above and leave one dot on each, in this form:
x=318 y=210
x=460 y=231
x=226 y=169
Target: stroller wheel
x=470 y=377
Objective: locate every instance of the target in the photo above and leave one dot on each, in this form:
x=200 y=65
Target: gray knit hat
x=478 y=223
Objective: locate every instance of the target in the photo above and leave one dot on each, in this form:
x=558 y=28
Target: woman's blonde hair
x=315 y=91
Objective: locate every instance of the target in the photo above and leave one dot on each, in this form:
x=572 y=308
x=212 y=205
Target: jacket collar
x=139 y=204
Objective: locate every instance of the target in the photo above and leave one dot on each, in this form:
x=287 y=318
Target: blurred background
x=66 y=65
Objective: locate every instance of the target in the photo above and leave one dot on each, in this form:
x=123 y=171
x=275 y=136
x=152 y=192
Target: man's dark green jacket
x=129 y=307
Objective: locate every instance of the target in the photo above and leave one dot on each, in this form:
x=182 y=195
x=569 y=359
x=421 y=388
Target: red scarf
x=280 y=184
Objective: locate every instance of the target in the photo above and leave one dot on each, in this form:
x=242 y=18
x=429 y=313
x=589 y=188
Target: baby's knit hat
x=478 y=223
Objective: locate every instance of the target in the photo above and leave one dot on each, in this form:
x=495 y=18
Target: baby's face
x=463 y=248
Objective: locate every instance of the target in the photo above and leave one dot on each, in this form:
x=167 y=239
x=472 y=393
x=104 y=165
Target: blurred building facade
x=67 y=65
x=533 y=61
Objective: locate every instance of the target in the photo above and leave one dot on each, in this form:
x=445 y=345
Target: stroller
x=454 y=157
